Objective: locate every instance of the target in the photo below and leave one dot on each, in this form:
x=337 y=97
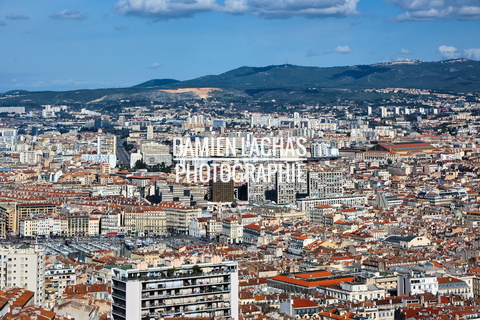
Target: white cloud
x=342 y=49
x=69 y=14
x=16 y=16
x=164 y=9
x=404 y=51
x=289 y=8
x=473 y=54
x=438 y=9
x=155 y=65
x=449 y=52
x=236 y=6
x=167 y=9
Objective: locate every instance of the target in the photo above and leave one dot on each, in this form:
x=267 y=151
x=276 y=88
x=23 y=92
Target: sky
x=86 y=44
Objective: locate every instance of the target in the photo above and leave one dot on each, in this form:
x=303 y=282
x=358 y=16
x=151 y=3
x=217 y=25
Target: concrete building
x=59 y=277
x=325 y=184
x=179 y=216
x=24 y=267
x=106 y=144
x=308 y=204
x=416 y=283
x=205 y=290
x=78 y=224
x=145 y=220
x=354 y=291
x=222 y=191
x=385 y=200
x=232 y=230
x=155 y=153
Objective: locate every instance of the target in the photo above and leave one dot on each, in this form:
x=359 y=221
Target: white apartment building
x=24 y=267
x=354 y=291
x=204 y=290
x=60 y=277
x=416 y=283
x=42 y=226
x=232 y=230
x=308 y=204
x=107 y=144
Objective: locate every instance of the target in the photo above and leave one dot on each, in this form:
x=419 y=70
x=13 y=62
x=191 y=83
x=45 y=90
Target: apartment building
x=107 y=144
x=204 y=290
x=179 y=216
x=28 y=210
x=324 y=184
x=42 y=226
x=24 y=267
x=147 y=219
x=58 y=278
x=78 y=224
x=154 y=153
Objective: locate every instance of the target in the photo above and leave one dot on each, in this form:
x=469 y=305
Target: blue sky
x=77 y=44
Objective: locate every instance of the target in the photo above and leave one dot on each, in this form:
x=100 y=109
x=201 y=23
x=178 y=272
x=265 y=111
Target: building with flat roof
x=203 y=290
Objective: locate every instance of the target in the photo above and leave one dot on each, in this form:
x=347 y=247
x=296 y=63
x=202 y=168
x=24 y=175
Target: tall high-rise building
x=222 y=191
x=24 y=267
x=106 y=144
x=323 y=184
x=290 y=184
x=203 y=290
x=149 y=132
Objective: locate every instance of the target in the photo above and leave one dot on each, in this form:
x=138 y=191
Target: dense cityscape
x=209 y=210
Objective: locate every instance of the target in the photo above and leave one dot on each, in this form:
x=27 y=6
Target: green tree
x=196 y=269
x=139 y=164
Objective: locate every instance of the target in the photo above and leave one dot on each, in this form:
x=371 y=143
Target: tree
x=196 y=269
x=170 y=272
x=160 y=167
x=139 y=164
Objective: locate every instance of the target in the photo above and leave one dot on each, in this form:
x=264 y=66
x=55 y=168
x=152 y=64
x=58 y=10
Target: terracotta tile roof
x=319 y=283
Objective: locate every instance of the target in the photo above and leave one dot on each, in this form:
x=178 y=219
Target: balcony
x=145 y=275
x=189 y=285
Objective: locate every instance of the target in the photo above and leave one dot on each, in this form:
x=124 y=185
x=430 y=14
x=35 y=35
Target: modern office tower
x=106 y=144
x=203 y=290
x=24 y=267
x=323 y=184
x=222 y=191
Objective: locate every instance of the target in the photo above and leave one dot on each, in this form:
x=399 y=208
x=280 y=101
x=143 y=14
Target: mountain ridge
x=286 y=83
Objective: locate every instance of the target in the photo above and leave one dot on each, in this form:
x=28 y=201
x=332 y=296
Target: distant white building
x=319 y=150
x=355 y=291
x=111 y=159
x=416 y=283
